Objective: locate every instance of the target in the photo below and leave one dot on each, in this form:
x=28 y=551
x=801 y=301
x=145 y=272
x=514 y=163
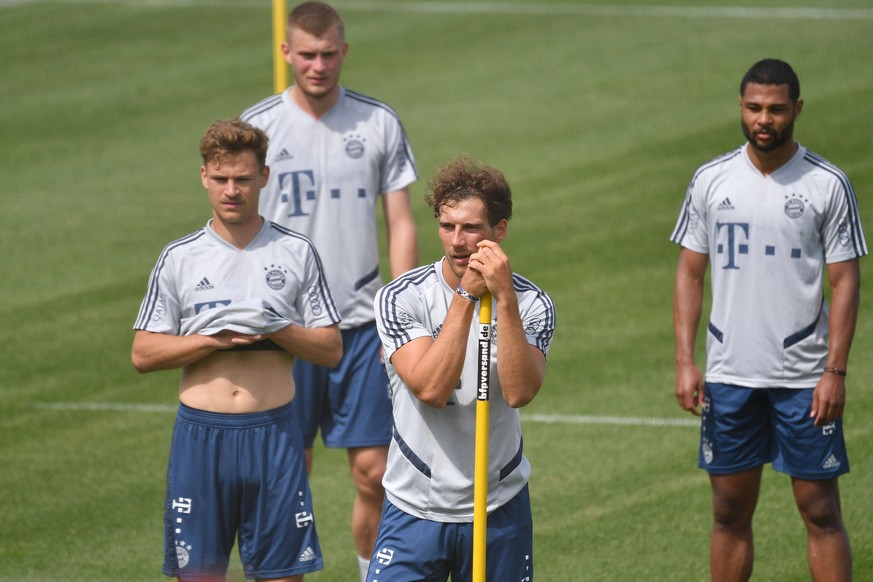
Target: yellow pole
x=280 y=67
x=480 y=480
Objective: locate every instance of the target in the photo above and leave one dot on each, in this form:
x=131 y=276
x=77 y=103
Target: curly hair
x=463 y=178
x=233 y=136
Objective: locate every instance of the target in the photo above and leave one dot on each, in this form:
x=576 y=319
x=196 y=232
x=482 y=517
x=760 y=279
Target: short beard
x=779 y=139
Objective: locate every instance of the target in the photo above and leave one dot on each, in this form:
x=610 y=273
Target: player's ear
x=798 y=107
x=203 y=177
x=265 y=176
x=500 y=230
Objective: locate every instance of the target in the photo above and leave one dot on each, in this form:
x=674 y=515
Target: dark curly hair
x=463 y=178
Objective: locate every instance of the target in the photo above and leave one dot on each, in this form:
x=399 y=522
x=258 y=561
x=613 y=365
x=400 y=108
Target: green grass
x=598 y=121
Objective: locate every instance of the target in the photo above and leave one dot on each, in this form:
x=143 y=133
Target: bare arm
x=687 y=308
x=521 y=366
x=160 y=351
x=319 y=345
x=431 y=368
x=400 y=226
x=829 y=397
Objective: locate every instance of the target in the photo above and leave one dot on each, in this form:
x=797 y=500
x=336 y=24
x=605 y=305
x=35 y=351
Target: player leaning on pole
x=233 y=304
x=428 y=322
x=771 y=218
x=334 y=153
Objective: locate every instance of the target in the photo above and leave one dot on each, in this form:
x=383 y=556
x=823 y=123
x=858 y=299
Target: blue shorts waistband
x=228 y=420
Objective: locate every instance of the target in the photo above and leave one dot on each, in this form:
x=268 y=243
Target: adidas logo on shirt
x=283 y=155
x=308 y=555
x=203 y=285
x=831 y=463
x=725 y=205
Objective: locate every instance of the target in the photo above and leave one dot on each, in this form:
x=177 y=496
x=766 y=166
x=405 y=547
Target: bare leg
x=828 y=547
x=307 y=455
x=367 y=465
x=734 y=498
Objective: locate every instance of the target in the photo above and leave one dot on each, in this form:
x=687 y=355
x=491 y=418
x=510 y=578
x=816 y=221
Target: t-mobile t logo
x=295 y=187
x=737 y=235
x=298 y=188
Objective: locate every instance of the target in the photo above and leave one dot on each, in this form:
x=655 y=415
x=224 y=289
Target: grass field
x=597 y=113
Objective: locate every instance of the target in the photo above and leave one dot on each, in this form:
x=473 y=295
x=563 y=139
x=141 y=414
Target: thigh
x=509 y=553
x=200 y=515
x=409 y=549
x=735 y=429
x=360 y=407
x=310 y=404
x=735 y=496
x=277 y=535
x=802 y=449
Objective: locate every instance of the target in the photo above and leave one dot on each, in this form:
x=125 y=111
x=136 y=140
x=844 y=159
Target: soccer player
x=334 y=153
x=772 y=219
x=232 y=305
x=428 y=320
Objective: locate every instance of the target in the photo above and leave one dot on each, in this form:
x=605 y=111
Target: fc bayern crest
x=354 y=146
x=708 y=454
x=275 y=277
x=182 y=553
x=794 y=206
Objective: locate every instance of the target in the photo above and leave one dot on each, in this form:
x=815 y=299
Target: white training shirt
x=432 y=455
x=203 y=284
x=325 y=177
x=768 y=239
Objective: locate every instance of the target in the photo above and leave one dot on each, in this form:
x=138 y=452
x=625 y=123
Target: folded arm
x=161 y=351
x=319 y=345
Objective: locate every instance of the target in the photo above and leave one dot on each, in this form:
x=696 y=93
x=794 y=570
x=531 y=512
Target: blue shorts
x=244 y=476
x=743 y=428
x=349 y=403
x=408 y=548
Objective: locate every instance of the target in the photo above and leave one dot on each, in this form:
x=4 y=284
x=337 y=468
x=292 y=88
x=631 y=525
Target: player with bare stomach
x=233 y=304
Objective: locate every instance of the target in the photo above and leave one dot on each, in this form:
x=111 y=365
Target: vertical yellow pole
x=480 y=481
x=280 y=67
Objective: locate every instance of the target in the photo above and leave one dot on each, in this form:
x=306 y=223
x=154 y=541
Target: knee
x=369 y=477
x=732 y=513
x=367 y=469
x=822 y=514
x=819 y=505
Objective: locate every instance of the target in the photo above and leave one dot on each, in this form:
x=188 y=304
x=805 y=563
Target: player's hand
x=689 y=389
x=828 y=399
x=228 y=339
x=493 y=265
x=473 y=282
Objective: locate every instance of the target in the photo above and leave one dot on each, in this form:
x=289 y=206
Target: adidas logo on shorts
x=308 y=555
x=831 y=463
